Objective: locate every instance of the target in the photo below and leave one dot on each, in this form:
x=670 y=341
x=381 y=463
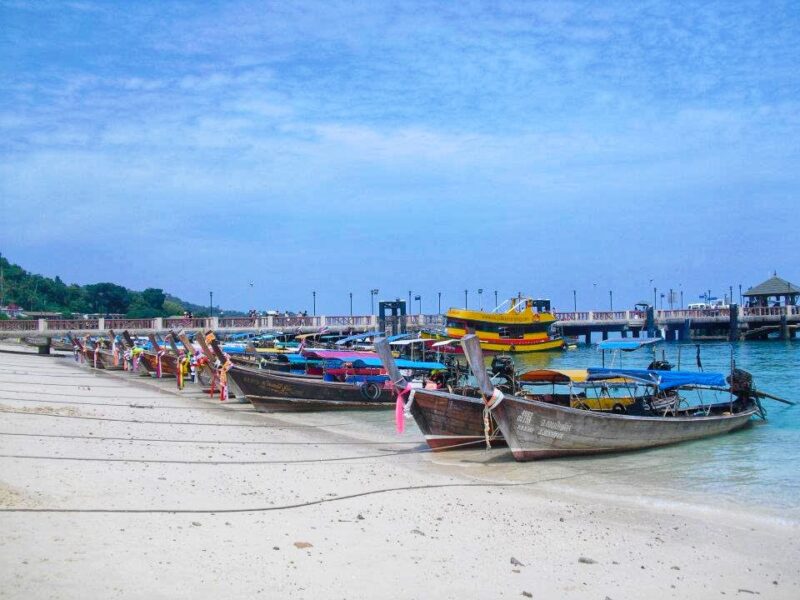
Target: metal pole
x=655 y=300
x=371 y=303
x=314 y=307
x=480 y=298
x=466 y=302
x=574 y=301
x=409 y=301
x=210 y=304
x=611 y=300
x=740 y=294
x=495 y=299
x=419 y=298
x=351 y=304
x=440 y=302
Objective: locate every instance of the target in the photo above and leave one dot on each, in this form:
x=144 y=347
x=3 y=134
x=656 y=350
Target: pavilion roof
x=774 y=286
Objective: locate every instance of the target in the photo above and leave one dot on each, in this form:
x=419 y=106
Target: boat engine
x=503 y=366
x=660 y=365
x=741 y=382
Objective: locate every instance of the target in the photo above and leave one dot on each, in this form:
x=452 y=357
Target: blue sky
x=342 y=146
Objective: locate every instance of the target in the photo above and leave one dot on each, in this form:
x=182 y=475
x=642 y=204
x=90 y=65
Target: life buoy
x=370 y=391
x=619 y=409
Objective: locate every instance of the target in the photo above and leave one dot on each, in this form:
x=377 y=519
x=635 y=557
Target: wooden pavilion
x=772 y=291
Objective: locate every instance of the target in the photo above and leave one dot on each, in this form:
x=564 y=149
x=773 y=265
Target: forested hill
x=37 y=293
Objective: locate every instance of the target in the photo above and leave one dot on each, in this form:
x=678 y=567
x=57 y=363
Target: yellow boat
x=523 y=327
x=614 y=394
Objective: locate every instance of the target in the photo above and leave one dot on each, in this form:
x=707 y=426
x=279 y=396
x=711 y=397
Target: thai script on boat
x=544 y=428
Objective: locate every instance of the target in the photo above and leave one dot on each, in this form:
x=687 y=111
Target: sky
x=337 y=147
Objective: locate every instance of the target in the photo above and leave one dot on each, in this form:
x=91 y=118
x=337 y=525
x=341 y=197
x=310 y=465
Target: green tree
x=154 y=298
x=107 y=298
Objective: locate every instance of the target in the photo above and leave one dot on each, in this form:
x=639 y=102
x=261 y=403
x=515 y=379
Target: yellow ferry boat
x=523 y=327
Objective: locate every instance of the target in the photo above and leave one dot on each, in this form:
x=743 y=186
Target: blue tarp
x=663 y=379
x=375 y=363
x=627 y=345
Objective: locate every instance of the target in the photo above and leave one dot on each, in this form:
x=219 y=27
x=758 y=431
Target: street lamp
x=574 y=300
x=351 y=304
x=409 y=301
x=466 y=302
x=210 y=304
x=440 y=302
x=418 y=298
x=480 y=298
x=372 y=293
x=495 y=299
x=611 y=300
x=314 y=306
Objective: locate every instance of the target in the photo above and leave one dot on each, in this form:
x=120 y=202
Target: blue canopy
x=375 y=363
x=663 y=379
x=626 y=344
x=357 y=337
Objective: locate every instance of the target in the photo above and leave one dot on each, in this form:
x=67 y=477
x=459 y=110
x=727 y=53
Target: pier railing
x=604 y=319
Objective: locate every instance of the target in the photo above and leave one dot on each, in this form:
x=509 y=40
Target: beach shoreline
x=387 y=521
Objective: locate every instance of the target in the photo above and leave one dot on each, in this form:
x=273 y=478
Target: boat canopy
x=358 y=337
x=663 y=379
x=445 y=343
x=399 y=336
x=554 y=376
x=343 y=355
x=411 y=341
x=376 y=363
x=627 y=345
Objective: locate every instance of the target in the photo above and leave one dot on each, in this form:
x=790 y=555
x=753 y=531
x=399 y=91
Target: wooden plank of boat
x=169 y=363
x=537 y=430
x=278 y=404
x=260 y=384
x=205 y=371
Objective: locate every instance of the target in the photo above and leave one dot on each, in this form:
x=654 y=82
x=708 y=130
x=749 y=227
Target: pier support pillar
x=650 y=321
x=685 y=332
x=605 y=335
x=588 y=339
x=45 y=349
x=784 y=328
x=624 y=333
x=671 y=334
x=636 y=332
x=733 y=323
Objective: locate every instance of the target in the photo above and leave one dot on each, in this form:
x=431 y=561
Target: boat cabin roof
x=626 y=344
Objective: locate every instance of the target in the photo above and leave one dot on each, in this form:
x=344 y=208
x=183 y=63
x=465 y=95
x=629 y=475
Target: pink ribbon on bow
x=399 y=409
x=159 y=354
x=96 y=350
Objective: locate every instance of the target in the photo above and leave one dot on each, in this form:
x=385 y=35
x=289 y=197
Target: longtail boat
x=535 y=430
x=270 y=391
x=158 y=361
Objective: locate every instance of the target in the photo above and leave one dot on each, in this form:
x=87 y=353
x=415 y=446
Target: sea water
x=757 y=468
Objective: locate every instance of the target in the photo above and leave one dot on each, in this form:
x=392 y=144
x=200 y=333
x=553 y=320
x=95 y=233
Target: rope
x=406 y=488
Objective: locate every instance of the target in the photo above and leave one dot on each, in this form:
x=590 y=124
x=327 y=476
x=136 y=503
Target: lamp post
x=655 y=298
x=372 y=293
x=466 y=301
x=351 y=304
x=409 y=301
x=495 y=299
x=314 y=304
x=440 y=302
x=480 y=298
x=740 y=294
x=210 y=304
x=574 y=300
x=611 y=300
x=418 y=298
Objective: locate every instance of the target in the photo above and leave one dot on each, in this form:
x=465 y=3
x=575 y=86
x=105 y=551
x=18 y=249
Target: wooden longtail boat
x=169 y=362
x=535 y=430
x=269 y=391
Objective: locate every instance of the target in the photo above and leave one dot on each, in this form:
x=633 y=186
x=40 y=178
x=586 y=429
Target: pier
x=732 y=323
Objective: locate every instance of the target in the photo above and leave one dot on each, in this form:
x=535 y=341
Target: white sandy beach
x=332 y=505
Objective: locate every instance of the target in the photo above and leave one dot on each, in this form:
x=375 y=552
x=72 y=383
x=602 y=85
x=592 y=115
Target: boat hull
x=169 y=363
x=451 y=422
x=273 y=391
x=536 y=430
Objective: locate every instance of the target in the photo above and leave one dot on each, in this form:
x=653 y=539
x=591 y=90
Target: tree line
x=37 y=293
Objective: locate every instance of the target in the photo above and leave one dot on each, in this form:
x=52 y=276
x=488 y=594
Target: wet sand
x=140 y=491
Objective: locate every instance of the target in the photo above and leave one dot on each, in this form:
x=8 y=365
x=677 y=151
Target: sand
x=332 y=505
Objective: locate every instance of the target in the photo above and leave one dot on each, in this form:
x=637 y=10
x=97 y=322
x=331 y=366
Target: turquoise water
x=757 y=467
